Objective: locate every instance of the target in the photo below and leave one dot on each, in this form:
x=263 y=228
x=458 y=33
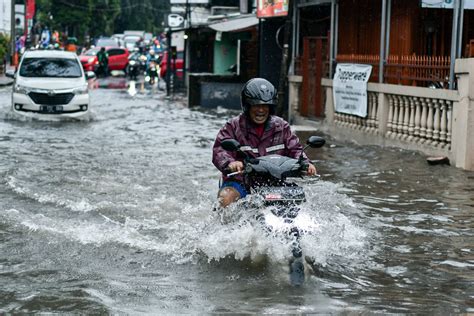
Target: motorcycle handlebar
x=248 y=169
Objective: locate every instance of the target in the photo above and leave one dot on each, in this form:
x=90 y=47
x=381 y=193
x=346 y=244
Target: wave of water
x=336 y=236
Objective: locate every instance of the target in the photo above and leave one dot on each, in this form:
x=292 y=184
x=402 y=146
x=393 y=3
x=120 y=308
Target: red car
x=175 y=64
x=118 y=58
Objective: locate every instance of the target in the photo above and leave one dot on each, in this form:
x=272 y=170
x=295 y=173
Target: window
x=91 y=52
x=50 y=67
x=115 y=52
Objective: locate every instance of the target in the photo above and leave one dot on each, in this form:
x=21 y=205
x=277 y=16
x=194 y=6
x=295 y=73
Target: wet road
x=113 y=214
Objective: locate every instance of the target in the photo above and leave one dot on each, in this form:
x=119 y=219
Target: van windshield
x=50 y=67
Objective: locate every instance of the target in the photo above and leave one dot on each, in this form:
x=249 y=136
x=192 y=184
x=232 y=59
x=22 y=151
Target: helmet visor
x=257 y=101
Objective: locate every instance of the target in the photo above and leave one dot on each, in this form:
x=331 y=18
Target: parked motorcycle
x=438 y=83
x=279 y=212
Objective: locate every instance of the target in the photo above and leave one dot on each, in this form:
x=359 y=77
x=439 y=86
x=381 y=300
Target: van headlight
x=81 y=90
x=20 y=89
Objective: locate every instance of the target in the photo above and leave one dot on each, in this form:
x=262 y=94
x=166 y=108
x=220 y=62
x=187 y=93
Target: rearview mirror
x=10 y=73
x=230 y=145
x=90 y=75
x=316 y=142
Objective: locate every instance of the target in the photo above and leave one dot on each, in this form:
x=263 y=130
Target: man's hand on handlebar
x=235 y=166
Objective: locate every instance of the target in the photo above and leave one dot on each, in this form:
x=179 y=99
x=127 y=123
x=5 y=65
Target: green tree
x=71 y=17
x=144 y=15
x=101 y=17
x=4 y=45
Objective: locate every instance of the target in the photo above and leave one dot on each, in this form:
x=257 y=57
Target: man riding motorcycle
x=259 y=132
x=151 y=57
x=152 y=67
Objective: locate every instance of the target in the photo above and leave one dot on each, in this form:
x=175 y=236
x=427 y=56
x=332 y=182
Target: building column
x=462 y=144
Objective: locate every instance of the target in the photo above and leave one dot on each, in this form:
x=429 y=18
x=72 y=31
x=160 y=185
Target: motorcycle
x=136 y=65
x=279 y=212
x=133 y=69
x=101 y=70
x=152 y=73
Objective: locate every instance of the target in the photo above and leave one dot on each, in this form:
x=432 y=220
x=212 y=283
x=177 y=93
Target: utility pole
x=282 y=84
x=454 y=41
x=187 y=25
x=12 y=39
x=168 y=62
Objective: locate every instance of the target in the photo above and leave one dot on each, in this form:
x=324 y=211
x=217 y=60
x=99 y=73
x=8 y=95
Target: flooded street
x=113 y=214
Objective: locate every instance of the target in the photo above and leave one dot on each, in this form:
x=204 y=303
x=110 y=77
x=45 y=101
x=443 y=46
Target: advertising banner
x=350 y=88
x=30 y=9
x=272 y=8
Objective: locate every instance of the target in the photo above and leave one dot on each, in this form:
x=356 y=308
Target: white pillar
x=462 y=134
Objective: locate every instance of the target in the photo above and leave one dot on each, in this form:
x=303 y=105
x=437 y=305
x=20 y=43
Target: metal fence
x=411 y=70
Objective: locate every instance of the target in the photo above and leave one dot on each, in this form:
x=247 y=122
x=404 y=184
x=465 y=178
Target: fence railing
x=418 y=120
x=405 y=69
x=370 y=124
x=433 y=121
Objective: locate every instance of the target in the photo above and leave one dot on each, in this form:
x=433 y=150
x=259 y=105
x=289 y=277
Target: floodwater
x=113 y=214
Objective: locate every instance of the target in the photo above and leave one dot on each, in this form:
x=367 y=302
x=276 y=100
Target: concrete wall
x=211 y=90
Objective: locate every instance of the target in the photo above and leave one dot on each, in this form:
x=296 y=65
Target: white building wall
x=5 y=16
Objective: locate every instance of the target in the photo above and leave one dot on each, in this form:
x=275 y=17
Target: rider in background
x=259 y=132
x=151 y=56
x=103 y=59
x=45 y=37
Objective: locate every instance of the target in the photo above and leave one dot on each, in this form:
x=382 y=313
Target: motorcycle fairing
x=278 y=166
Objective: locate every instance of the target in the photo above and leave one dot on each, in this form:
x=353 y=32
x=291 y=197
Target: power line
x=76 y=6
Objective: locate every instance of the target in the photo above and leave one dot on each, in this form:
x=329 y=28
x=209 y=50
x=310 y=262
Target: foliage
x=145 y=15
x=101 y=17
x=4 y=45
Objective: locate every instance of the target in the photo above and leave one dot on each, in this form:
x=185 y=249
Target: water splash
x=235 y=232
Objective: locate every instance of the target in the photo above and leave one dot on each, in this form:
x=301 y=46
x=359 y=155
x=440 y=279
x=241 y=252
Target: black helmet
x=258 y=91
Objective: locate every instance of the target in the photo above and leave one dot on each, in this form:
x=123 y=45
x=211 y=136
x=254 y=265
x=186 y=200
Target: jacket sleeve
x=220 y=157
x=293 y=145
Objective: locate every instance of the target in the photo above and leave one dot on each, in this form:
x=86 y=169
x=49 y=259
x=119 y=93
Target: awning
x=234 y=24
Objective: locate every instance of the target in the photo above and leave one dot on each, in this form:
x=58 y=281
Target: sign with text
x=350 y=88
x=446 y=4
x=272 y=8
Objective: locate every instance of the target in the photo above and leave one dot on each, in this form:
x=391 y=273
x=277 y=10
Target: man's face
x=259 y=113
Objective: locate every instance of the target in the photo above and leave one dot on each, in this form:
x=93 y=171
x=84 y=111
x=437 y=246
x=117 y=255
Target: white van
x=50 y=83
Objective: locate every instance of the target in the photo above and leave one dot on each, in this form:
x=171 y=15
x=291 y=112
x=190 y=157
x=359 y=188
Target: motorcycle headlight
x=20 y=89
x=90 y=60
x=81 y=90
x=132 y=63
